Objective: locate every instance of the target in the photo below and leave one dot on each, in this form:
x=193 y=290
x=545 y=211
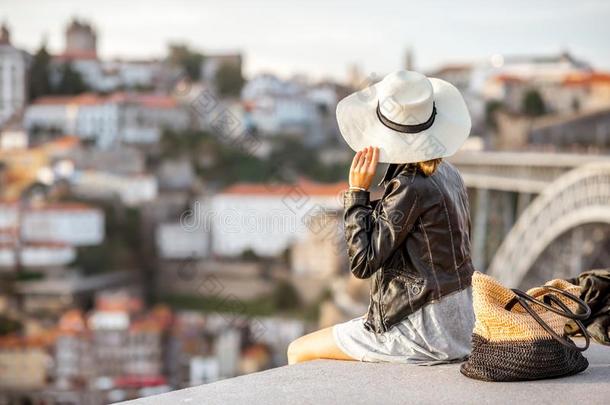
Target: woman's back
x=444 y=223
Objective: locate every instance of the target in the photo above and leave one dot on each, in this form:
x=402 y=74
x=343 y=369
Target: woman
x=413 y=242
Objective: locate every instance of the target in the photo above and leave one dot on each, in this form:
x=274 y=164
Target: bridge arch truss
x=578 y=197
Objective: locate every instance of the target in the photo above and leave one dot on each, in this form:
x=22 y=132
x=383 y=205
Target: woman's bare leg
x=316 y=345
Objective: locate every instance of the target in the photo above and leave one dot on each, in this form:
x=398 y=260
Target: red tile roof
x=75 y=55
x=506 y=78
x=156 y=101
x=53 y=100
x=64 y=206
x=587 y=79
x=13 y=341
x=454 y=67
x=149 y=100
x=62 y=143
x=305 y=187
x=81 y=99
x=138 y=381
x=34 y=245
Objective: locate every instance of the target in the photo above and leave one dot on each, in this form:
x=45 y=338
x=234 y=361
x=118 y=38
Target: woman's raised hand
x=362 y=171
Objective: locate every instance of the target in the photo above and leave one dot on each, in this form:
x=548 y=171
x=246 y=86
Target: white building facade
x=131 y=190
x=276 y=106
x=265 y=219
x=13 y=83
x=74 y=224
x=46 y=236
x=176 y=242
x=132 y=118
x=37 y=255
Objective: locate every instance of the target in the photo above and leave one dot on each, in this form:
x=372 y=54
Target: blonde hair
x=429 y=166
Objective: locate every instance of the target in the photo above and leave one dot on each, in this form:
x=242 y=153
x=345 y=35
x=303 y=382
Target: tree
x=71 y=81
x=491 y=107
x=229 y=79
x=9 y=325
x=189 y=60
x=533 y=104
x=575 y=105
x=285 y=296
x=39 y=74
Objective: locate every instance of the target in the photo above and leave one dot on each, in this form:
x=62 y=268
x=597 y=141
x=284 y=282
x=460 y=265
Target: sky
x=322 y=38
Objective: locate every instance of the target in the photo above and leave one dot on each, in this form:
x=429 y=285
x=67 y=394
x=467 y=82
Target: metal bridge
x=524 y=204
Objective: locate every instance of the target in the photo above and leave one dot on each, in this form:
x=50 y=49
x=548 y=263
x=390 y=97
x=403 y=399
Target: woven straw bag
x=519 y=336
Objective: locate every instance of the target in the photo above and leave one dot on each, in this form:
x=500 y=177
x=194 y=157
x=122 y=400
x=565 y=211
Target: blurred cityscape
x=167 y=223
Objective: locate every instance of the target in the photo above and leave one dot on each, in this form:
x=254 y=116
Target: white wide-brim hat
x=409 y=117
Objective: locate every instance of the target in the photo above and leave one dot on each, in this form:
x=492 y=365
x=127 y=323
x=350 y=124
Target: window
x=13 y=87
x=1 y=87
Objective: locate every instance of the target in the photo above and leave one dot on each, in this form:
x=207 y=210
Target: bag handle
x=523 y=298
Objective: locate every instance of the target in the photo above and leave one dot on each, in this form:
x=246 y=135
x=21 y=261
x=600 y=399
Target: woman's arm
x=372 y=239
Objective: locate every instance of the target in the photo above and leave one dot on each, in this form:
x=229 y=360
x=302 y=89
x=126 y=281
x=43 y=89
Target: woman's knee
x=294 y=352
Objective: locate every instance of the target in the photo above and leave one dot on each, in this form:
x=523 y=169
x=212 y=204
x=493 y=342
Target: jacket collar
x=392 y=171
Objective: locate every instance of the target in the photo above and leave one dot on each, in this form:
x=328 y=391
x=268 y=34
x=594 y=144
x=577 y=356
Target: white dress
x=439 y=332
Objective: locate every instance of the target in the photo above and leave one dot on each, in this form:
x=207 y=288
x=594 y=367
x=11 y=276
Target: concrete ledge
x=343 y=382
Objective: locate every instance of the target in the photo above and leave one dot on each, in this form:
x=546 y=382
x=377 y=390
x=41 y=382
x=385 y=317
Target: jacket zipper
x=380 y=309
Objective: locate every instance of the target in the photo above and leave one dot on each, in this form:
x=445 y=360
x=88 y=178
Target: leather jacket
x=414 y=242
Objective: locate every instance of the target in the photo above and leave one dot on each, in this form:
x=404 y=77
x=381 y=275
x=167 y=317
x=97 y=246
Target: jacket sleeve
x=372 y=236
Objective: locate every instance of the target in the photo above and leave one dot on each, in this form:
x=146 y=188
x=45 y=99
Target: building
x=242 y=280
x=23 y=363
x=322 y=252
x=203 y=370
x=126 y=348
x=175 y=242
x=127 y=160
x=595 y=87
x=36 y=255
x=551 y=66
x=176 y=175
x=265 y=219
x=145 y=115
x=131 y=118
x=70 y=223
x=566 y=95
x=24 y=168
x=111 y=75
x=9 y=217
x=127 y=342
x=61 y=290
x=460 y=75
x=227 y=351
x=576 y=132
x=144 y=354
x=13 y=82
x=80 y=38
x=213 y=62
x=133 y=74
x=13 y=138
x=74 y=363
x=46 y=236
x=116 y=352
x=281 y=107
x=80 y=52
x=507 y=79
x=55 y=113
x=106 y=75
x=277 y=333
x=131 y=189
